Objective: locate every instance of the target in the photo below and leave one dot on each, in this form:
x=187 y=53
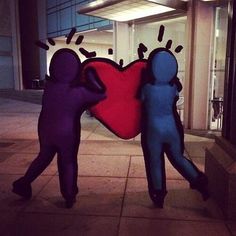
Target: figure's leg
x=155 y=170
x=179 y=124
x=186 y=168
x=68 y=173
x=146 y=156
x=42 y=161
x=22 y=186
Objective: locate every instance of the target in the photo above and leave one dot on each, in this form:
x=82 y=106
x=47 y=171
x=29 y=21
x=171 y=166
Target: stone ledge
x=227 y=146
x=220 y=167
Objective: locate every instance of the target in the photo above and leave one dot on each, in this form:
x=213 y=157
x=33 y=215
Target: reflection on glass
x=218 y=68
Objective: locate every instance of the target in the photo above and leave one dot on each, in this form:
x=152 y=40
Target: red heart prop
x=121 y=110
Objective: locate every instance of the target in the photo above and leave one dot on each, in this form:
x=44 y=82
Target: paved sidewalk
x=113 y=198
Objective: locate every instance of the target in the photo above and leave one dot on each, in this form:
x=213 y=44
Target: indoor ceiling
x=126 y=10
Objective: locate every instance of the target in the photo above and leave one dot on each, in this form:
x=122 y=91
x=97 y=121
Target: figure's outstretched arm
x=178 y=84
x=93 y=82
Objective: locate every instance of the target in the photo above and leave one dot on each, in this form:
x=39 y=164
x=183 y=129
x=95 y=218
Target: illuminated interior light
x=96 y=3
x=135 y=13
x=125 y=10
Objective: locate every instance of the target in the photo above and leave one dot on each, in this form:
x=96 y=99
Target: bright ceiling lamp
x=125 y=10
x=134 y=11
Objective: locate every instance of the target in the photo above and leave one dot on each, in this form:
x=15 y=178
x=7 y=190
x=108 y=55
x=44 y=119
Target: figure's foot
x=70 y=202
x=22 y=188
x=70 y=198
x=201 y=185
x=158 y=197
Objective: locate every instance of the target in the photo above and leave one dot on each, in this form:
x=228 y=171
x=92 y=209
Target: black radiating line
x=79 y=40
x=140 y=53
x=168 y=44
x=42 y=45
x=87 y=54
x=143 y=47
x=121 y=62
x=110 y=51
x=51 y=41
x=179 y=49
x=161 y=33
x=70 y=36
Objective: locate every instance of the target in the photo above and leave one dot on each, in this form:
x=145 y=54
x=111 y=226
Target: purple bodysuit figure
x=64 y=100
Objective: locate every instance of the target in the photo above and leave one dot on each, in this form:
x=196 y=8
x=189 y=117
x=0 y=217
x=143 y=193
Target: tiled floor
x=113 y=197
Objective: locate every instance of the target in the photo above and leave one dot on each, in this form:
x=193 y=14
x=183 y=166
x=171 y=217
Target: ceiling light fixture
x=126 y=10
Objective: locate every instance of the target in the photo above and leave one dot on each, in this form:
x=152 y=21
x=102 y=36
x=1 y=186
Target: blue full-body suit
x=160 y=130
x=63 y=103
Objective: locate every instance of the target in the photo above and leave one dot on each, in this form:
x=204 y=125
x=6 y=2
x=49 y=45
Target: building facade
x=200 y=26
x=206 y=29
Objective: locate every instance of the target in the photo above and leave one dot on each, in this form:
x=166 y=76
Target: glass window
x=52 y=23
x=6 y=72
x=218 y=68
x=65 y=19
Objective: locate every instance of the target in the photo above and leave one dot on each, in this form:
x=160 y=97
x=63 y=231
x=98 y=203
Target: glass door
x=218 y=68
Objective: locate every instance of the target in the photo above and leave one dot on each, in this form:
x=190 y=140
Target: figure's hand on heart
x=121 y=110
x=93 y=82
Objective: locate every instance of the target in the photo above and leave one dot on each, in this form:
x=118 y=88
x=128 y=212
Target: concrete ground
x=113 y=198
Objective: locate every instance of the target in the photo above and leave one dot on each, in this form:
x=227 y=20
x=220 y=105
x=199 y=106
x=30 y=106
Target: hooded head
x=65 y=66
x=162 y=65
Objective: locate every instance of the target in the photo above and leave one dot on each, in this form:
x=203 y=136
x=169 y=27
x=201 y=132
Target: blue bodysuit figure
x=161 y=131
x=64 y=100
